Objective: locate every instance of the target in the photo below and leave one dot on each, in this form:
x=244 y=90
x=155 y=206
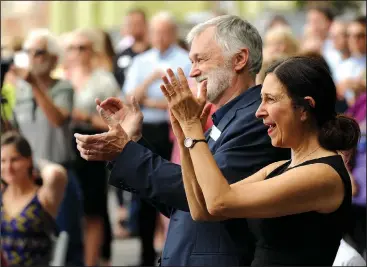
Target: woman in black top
x=297 y=209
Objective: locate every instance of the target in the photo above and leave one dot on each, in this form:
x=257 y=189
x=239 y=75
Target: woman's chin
x=274 y=143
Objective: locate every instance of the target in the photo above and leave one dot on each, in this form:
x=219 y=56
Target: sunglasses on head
x=36 y=52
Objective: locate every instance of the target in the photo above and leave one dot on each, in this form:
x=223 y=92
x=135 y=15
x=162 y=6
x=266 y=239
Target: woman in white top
x=90 y=82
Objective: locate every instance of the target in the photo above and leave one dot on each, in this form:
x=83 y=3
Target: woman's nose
x=260 y=112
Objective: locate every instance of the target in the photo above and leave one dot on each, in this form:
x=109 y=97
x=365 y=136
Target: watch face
x=188 y=142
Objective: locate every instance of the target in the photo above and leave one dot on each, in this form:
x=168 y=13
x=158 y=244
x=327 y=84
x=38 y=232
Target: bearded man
x=226 y=55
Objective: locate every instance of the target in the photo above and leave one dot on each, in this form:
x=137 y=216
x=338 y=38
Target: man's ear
x=241 y=59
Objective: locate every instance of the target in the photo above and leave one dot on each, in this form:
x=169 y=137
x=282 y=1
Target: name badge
x=215 y=133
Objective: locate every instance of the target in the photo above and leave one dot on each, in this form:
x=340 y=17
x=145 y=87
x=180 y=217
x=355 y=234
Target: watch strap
x=194 y=141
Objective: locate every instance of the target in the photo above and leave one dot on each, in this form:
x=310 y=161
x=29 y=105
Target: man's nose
x=194 y=72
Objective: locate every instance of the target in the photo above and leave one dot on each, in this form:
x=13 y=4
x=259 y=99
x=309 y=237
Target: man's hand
x=102 y=147
x=128 y=115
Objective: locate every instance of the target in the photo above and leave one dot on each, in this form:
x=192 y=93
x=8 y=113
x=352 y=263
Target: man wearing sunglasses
x=42 y=109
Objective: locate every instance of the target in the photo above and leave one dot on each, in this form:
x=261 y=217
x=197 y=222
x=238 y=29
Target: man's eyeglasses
x=36 y=52
x=79 y=48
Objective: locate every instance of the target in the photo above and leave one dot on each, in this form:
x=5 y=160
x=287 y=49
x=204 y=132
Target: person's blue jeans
x=69 y=219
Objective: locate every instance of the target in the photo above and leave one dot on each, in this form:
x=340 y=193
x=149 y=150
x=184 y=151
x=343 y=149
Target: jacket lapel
x=247 y=98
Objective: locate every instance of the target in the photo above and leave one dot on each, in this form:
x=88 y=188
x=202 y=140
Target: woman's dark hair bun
x=340 y=133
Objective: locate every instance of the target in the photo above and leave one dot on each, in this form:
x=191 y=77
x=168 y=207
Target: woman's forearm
x=208 y=175
x=193 y=191
x=196 y=203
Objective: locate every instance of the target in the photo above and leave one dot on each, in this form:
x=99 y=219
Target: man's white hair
x=164 y=16
x=233 y=34
x=44 y=34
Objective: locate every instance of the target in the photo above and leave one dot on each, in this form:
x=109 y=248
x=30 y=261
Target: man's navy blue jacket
x=243 y=148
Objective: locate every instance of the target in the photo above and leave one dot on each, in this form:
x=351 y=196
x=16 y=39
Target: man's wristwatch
x=189 y=142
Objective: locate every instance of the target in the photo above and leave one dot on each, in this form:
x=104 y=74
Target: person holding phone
x=42 y=114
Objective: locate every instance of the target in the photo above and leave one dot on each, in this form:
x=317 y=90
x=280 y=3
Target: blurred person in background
x=349 y=74
x=310 y=42
x=142 y=82
x=318 y=21
x=90 y=82
x=107 y=56
x=105 y=60
x=316 y=30
x=276 y=21
x=136 y=25
x=61 y=70
x=356 y=234
x=28 y=212
x=10 y=45
x=41 y=113
x=3 y=260
x=280 y=40
x=7 y=94
x=260 y=77
x=338 y=37
x=127 y=39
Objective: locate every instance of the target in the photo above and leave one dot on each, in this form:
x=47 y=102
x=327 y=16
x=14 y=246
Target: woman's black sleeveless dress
x=309 y=238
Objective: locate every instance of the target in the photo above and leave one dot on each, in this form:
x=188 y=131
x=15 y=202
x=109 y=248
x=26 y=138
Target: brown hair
x=21 y=144
x=307 y=76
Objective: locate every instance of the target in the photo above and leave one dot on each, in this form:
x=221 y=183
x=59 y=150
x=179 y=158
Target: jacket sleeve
x=140 y=171
x=241 y=153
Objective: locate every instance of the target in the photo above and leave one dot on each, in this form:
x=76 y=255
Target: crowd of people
x=286 y=113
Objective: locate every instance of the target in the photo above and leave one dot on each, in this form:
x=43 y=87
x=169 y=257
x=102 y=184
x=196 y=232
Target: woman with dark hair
x=28 y=211
x=297 y=209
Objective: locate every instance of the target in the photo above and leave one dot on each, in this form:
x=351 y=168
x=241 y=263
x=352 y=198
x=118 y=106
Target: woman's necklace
x=305 y=157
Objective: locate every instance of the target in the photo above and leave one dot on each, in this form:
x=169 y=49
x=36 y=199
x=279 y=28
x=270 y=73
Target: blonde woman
x=280 y=40
x=90 y=82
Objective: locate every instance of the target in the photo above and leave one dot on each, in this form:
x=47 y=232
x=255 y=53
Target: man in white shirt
x=350 y=73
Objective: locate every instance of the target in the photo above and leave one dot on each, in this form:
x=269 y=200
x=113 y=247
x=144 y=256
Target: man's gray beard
x=219 y=80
